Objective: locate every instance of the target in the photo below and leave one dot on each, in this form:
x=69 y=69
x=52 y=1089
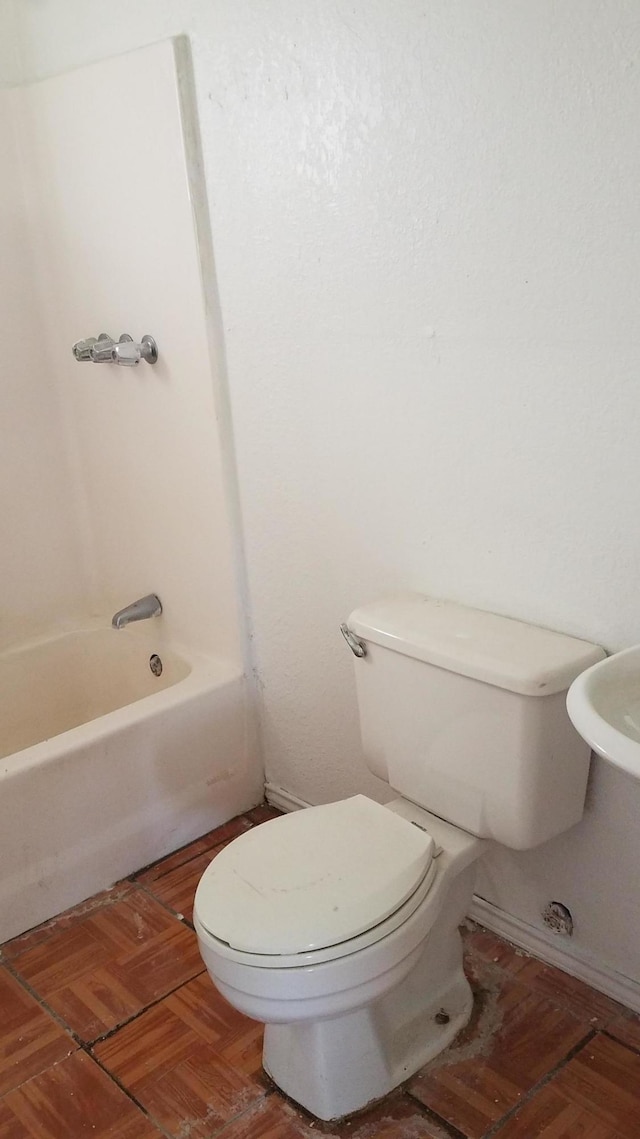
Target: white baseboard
x=282 y=799
x=547 y=947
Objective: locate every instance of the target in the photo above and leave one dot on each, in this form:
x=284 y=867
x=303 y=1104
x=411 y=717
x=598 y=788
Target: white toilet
x=338 y=925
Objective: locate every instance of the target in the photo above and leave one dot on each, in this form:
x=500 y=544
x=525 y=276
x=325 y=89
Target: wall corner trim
x=549 y=948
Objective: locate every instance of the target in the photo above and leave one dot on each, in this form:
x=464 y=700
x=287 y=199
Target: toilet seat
x=315 y=885
x=273 y=962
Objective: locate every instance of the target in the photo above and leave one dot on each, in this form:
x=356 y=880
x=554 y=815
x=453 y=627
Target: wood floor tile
x=72 y=1099
x=235 y=1037
x=572 y=994
x=191 y=1057
x=30 y=1039
x=604 y=1079
x=397 y=1116
x=262 y=814
x=549 y=1115
x=486 y=945
x=270 y=1119
x=174 y=880
x=596 y=1095
x=275 y=1118
x=42 y=933
x=177 y=888
x=472 y=1087
x=627 y=1029
x=114 y=962
x=217 y=837
x=194 y=1063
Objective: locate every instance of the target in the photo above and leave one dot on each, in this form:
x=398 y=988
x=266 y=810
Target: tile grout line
x=36 y=1075
x=123 y=886
x=86 y=1044
x=216 y=846
x=86 y=1047
x=542 y=1082
x=634 y=1048
x=165 y=905
x=135 y=880
x=126 y=886
x=125 y=1090
x=158 y=861
x=9 y=966
x=152 y=1004
x=432 y=1116
x=147 y=887
x=133 y=887
x=268 y=1095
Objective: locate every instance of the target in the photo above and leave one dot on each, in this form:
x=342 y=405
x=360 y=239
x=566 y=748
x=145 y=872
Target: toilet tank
x=463 y=712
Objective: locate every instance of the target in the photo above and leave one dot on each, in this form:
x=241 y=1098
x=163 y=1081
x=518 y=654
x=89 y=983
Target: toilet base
x=337 y=1066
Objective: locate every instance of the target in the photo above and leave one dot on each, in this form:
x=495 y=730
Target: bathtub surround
x=11 y=63
x=116 y=249
x=39 y=553
x=425 y=221
x=114 y=485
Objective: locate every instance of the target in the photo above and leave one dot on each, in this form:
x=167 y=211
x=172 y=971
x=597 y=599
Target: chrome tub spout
x=149 y=606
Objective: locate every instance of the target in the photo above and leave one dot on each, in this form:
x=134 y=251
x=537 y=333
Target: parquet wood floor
x=110 y=1027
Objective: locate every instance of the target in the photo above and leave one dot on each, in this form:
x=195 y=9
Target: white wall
x=425 y=220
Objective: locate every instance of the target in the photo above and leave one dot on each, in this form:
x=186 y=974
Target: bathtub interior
x=50 y=686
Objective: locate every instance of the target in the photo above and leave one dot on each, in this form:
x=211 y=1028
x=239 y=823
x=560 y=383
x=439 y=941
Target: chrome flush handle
x=358 y=647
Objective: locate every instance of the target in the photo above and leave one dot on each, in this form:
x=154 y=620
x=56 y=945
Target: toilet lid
x=314 y=878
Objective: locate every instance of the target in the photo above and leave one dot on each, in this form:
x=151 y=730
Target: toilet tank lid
x=498 y=650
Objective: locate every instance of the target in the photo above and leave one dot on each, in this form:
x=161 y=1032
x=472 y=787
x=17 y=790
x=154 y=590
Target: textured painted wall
x=425 y=222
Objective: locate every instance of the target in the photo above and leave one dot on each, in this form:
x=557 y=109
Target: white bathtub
x=106 y=767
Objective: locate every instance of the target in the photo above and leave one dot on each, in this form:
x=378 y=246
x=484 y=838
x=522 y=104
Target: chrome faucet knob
x=82 y=348
x=101 y=350
x=128 y=353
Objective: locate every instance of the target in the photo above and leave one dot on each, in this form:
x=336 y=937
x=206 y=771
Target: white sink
x=604 y=707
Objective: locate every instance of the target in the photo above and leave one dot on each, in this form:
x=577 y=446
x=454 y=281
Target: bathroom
x=424 y=223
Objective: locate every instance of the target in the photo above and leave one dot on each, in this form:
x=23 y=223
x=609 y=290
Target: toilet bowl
x=337 y=926
x=345 y=1022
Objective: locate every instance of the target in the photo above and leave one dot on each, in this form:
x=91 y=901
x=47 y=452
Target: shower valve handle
x=82 y=348
x=129 y=354
x=101 y=350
